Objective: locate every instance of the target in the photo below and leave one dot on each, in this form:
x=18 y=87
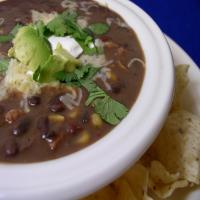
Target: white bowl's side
x=83 y=172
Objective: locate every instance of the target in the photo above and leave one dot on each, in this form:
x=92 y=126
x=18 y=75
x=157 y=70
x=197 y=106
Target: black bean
x=43 y=125
x=11 y=148
x=117 y=87
x=34 y=101
x=85 y=116
x=22 y=127
x=116 y=90
x=49 y=136
x=126 y=45
x=55 y=105
x=73 y=129
x=70 y=129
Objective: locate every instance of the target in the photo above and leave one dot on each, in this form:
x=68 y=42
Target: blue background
x=180 y=19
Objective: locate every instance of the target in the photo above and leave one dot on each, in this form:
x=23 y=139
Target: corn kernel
x=56 y=118
x=84 y=138
x=111 y=75
x=73 y=114
x=96 y=120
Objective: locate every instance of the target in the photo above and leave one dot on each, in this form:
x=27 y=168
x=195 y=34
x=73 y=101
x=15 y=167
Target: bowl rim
x=75 y=176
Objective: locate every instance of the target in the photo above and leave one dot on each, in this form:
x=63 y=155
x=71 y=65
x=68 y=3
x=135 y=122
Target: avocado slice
x=60 y=61
x=45 y=73
x=70 y=61
x=30 y=48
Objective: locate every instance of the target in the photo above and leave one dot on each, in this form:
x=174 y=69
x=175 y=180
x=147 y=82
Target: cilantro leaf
x=64 y=77
x=57 y=26
x=10 y=36
x=89 y=46
x=82 y=71
x=69 y=78
x=6 y=38
x=70 y=15
x=16 y=29
x=110 y=110
x=66 y=24
x=4 y=64
x=61 y=24
x=41 y=28
x=93 y=89
x=82 y=37
x=99 y=28
x=73 y=78
x=90 y=71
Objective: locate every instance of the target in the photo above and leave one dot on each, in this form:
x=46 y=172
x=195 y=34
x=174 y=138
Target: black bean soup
x=50 y=129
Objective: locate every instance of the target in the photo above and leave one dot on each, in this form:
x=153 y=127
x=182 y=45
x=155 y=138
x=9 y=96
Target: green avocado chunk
x=44 y=73
x=60 y=61
x=70 y=62
x=30 y=48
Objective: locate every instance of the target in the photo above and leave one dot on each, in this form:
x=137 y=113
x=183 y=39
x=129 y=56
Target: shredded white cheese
x=3 y=91
x=17 y=79
x=102 y=75
x=72 y=99
x=43 y=16
x=70 y=4
x=96 y=60
x=82 y=21
x=108 y=63
x=2 y=20
x=117 y=21
x=85 y=6
x=88 y=4
x=133 y=60
x=99 y=43
x=24 y=105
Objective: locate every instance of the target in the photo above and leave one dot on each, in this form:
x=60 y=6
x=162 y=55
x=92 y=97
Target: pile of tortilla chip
x=172 y=162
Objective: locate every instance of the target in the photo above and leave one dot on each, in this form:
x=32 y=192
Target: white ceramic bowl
x=84 y=172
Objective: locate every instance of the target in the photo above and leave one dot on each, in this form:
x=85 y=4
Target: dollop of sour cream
x=68 y=43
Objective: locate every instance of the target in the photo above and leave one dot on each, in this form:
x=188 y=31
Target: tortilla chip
x=159 y=174
x=138 y=177
x=162 y=183
x=118 y=190
x=181 y=83
x=131 y=186
x=106 y=193
x=123 y=190
x=178 y=146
